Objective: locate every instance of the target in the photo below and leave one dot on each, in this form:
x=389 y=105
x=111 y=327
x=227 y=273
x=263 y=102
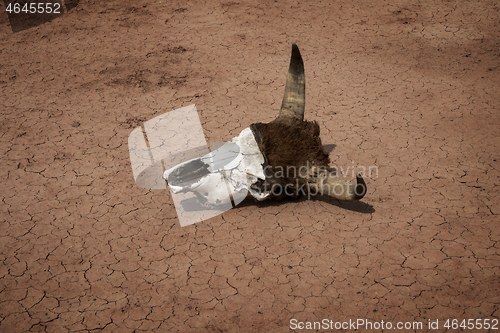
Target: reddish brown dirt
x=410 y=87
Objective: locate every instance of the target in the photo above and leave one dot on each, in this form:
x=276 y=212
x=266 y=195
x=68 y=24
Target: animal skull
x=259 y=161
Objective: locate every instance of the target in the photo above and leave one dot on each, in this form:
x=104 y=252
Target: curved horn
x=294 y=100
x=338 y=188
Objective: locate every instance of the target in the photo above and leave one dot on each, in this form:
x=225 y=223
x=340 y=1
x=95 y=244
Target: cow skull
x=282 y=158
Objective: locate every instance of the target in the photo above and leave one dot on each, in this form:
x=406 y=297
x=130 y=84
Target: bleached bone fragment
x=235 y=168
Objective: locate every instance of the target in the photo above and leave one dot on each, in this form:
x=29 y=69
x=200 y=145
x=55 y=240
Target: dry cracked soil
x=409 y=88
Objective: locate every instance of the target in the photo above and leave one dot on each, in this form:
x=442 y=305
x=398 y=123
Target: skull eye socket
x=188 y=174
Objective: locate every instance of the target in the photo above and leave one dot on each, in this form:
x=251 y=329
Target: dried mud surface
x=411 y=87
